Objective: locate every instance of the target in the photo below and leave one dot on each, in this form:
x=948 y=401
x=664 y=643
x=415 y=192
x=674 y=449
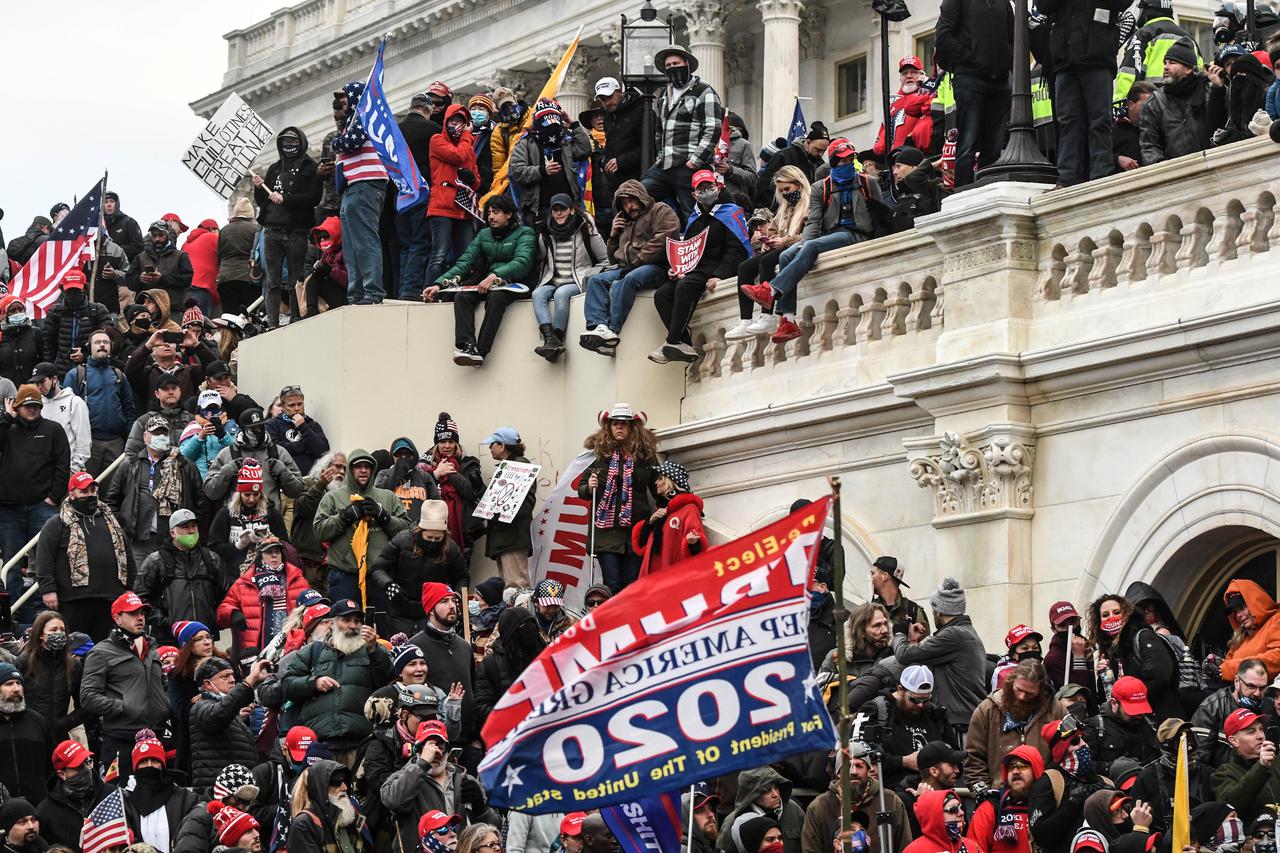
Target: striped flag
x=105 y=827
x=38 y=284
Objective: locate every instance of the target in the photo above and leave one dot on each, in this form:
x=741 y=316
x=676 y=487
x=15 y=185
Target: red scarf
x=448 y=494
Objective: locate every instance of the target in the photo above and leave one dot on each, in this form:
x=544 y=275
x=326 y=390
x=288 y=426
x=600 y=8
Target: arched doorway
x=1195 y=578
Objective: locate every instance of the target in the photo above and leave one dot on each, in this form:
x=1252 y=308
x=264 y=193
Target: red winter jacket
x=202 y=250
x=243 y=596
x=331 y=229
x=912 y=122
x=684 y=516
x=447 y=157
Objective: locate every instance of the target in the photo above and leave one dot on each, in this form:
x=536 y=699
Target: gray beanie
x=948 y=599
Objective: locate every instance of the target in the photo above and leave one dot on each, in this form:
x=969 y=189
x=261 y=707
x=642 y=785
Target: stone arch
x=1179 y=506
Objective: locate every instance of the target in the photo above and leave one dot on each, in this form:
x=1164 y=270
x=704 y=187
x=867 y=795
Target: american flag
x=798 y=128
x=105 y=827
x=71 y=241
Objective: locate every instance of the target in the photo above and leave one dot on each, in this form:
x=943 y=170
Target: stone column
x=575 y=90
x=705 y=23
x=781 y=64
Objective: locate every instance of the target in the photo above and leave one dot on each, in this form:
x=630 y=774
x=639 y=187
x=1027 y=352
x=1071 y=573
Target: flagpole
x=689 y=827
x=842 y=668
x=97 y=243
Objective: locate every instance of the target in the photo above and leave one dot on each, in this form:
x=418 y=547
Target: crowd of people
x=170 y=509
x=525 y=201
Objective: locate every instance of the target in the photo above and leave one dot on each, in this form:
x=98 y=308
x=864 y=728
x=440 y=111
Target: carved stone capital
x=977 y=477
x=612 y=38
x=704 y=20
x=779 y=8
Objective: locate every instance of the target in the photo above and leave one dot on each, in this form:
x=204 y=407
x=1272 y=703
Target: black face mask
x=151 y=777
x=678 y=76
x=432 y=549
x=73 y=298
x=791 y=197
x=79 y=786
x=1030 y=654
x=290 y=148
x=86 y=505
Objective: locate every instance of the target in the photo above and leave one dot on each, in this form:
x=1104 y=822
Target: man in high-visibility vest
x=1145 y=55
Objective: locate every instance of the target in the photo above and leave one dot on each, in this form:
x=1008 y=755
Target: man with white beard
x=331 y=681
x=329 y=820
x=25 y=740
x=327 y=475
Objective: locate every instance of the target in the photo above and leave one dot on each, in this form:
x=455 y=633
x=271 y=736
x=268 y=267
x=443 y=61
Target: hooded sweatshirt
x=72 y=414
x=331 y=230
x=295 y=178
x=933 y=828
x=999 y=823
x=753 y=783
x=330 y=525
x=314 y=830
x=1264 y=643
x=642 y=240
x=201 y=249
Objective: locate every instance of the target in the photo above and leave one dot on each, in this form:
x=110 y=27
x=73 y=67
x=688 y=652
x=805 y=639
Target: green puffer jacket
x=510 y=257
x=337 y=716
x=331 y=527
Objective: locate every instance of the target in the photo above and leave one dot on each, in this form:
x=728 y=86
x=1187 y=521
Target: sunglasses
x=1263 y=835
x=595 y=602
x=953 y=809
x=291 y=391
x=447 y=829
x=919 y=701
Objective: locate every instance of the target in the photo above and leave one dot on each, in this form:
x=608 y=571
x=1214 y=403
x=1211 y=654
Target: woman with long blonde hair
x=791 y=194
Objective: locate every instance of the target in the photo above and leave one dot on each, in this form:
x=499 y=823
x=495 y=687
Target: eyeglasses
x=490 y=845
x=1256 y=688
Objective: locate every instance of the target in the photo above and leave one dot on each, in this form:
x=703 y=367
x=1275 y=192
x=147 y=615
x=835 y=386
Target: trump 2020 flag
x=798 y=128
x=375 y=116
x=694 y=671
x=562 y=538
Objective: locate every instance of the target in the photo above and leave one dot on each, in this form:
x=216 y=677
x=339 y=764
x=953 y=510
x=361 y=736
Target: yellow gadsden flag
x=500 y=180
x=1181 y=803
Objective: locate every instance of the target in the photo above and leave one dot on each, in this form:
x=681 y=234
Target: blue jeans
x=18 y=523
x=619 y=570
x=797 y=259
x=361 y=247
x=415 y=245
x=674 y=184
x=611 y=294
x=542 y=298
x=982 y=117
x=344 y=585
x=449 y=239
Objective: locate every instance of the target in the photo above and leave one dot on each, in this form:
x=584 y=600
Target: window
x=851 y=86
x=924 y=46
x=1201 y=31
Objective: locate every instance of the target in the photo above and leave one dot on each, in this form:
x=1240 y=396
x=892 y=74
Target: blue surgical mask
x=478 y=118
x=160 y=443
x=474 y=608
x=816 y=599
x=19 y=319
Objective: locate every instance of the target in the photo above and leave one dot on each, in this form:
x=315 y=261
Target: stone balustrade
x=1187 y=237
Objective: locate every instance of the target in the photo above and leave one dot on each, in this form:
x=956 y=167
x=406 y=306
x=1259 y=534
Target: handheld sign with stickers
x=511 y=482
x=683 y=256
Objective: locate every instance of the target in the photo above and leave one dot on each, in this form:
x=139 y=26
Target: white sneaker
x=680 y=352
x=609 y=336
x=740 y=332
x=658 y=356
x=764 y=324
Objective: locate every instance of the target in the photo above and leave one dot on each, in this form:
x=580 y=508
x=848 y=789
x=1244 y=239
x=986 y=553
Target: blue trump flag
x=798 y=127
x=646 y=825
x=375 y=116
x=690 y=673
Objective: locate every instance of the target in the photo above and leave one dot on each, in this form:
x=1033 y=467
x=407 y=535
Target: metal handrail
x=13 y=561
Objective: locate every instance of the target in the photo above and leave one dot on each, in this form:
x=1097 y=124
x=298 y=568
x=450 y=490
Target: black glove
x=393 y=590
x=472 y=794
x=378 y=514
x=238 y=621
x=351 y=514
x=322 y=269
x=902 y=627
x=467 y=176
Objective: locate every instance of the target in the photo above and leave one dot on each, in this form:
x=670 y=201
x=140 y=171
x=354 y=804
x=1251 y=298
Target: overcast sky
x=104 y=85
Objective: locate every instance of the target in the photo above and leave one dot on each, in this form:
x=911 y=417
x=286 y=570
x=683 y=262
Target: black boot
x=559 y=338
x=547 y=349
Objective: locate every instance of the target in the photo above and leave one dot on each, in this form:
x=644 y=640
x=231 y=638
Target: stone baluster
x=895 y=315
x=847 y=323
x=1078 y=266
x=1164 y=252
x=1105 y=260
x=824 y=327
x=1226 y=232
x=1049 y=287
x=1191 y=252
x=1133 y=259
x=872 y=315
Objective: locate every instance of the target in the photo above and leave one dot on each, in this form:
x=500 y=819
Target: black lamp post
x=1021 y=159
x=641 y=40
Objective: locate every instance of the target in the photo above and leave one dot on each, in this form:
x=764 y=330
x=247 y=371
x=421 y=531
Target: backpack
x=1059 y=783
x=82 y=380
x=881 y=213
x=1189 y=675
